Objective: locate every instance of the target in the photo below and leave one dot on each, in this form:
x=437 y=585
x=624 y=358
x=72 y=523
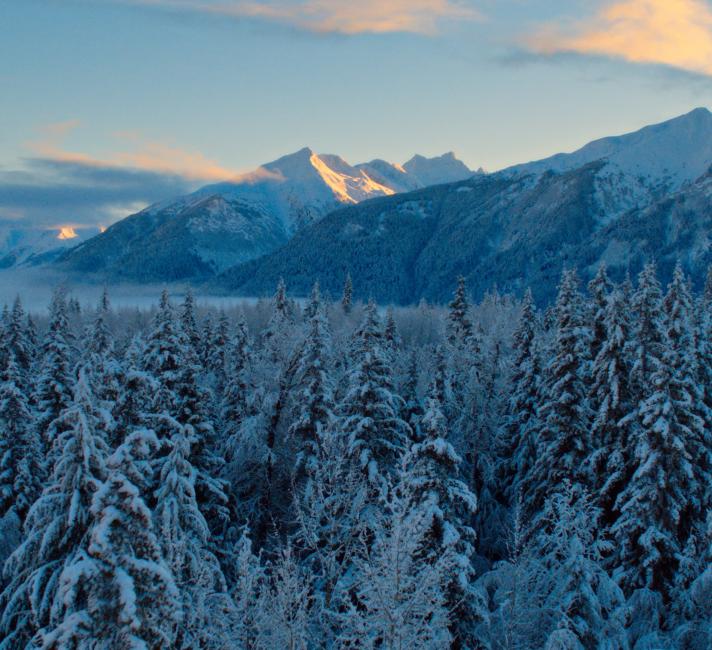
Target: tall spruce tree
x=564 y=438
x=435 y=487
x=21 y=466
x=371 y=409
x=117 y=591
x=57 y=522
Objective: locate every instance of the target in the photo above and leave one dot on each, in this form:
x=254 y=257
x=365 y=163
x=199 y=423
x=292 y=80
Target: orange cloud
x=145 y=155
x=677 y=33
x=337 y=16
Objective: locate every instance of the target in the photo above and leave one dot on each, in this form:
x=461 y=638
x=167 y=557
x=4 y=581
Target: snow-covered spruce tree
x=401 y=600
x=587 y=605
x=648 y=332
x=655 y=504
x=330 y=517
x=21 y=460
x=611 y=399
x=314 y=304
x=100 y=356
x=188 y=321
x=18 y=342
x=57 y=522
x=599 y=288
x=370 y=411
x=184 y=537
x=117 y=591
x=459 y=325
x=313 y=395
x=276 y=336
x=692 y=413
x=55 y=382
x=563 y=443
x=517 y=448
x=412 y=407
x=347 y=295
x=434 y=485
x=216 y=361
x=136 y=390
x=391 y=335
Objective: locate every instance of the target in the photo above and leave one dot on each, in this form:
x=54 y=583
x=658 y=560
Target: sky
x=108 y=105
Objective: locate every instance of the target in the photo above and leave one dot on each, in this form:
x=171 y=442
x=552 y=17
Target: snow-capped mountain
x=229 y=223
x=22 y=246
x=640 y=166
x=621 y=200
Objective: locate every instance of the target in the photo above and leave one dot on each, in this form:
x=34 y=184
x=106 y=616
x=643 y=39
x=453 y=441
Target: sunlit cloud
x=145 y=155
x=336 y=16
x=676 y=33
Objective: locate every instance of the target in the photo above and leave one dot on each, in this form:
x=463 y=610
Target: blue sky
x=110 y=104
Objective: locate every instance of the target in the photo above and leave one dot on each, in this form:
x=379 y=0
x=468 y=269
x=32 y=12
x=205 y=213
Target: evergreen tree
x=54 y=385
x=459 y=326
x=517 y=450
x=371 y=409
x=20 y=446
x=17 y=341
x=347 y=296
x=564 y=439
x=57 y=522
x=586 y=602
x=435 y=486
x=188 y=321
x=314 y=395
x=117 y=591
x=184 y=536
x=612 y=400
x=600 y=287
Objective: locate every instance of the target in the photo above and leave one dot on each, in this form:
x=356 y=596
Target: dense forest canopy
x=342 y=475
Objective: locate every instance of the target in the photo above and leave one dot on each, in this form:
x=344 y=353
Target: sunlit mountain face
x=67 y=232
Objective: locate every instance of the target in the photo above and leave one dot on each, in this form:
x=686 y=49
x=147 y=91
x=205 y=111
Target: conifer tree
x=586 y=603
x=184 y=536
x=117 y=591
x=57 y=522
x=599 y=288
x=54 y=386
x=612 y=400
x=564 y=439
x=21 y=466
x=314 y=395
x=459 y=326
x=435 y=486
x=17 y=341
x=188 y=320
x=347 y=296
x=517 y=448
x=371 y=409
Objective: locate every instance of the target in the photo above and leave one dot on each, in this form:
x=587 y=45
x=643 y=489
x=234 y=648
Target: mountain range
x=197 y=236
x=406 y=232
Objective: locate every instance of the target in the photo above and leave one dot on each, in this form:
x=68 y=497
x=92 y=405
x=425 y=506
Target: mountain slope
x=641 y=166
x=517 y=228
x=21 y=246
x=508 y=232
x=224 y=224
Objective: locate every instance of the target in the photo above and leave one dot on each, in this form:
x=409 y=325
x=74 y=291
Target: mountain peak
x=435 y=171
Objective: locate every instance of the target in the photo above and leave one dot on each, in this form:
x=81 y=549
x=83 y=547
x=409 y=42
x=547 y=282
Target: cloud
x=57 y=186
x=336 y=16
x=146 y=155
x=676 y=33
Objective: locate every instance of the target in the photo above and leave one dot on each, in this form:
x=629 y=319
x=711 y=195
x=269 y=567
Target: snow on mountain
x=435 y=171
x=23 y=246
x=233 y=222
x=639 y=166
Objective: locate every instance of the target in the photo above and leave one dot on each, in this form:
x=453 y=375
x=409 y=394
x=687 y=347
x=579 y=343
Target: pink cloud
x=677 y=33
x=337 y=16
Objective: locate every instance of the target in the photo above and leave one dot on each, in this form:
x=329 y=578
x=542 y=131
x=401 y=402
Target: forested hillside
x=340 y=475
